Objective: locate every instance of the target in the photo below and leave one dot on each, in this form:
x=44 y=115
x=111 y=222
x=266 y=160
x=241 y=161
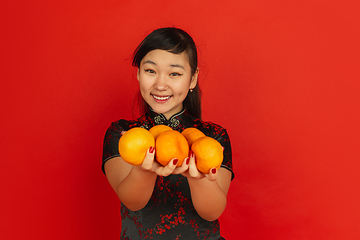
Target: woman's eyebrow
x=177 y=65
x=171 y=65
x=149 y=61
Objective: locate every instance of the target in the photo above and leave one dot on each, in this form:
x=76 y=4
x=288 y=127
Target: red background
x=281 y=76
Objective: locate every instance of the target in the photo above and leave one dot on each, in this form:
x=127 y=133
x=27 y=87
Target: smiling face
x=165 y=79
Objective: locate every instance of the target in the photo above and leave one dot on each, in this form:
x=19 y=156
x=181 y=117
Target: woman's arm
x=208 y=192
x=134 y=185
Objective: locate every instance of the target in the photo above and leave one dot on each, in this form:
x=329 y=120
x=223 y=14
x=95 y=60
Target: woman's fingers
x=188 y=167
x=149 y=159
x=183 y=168
x=193 y=171
x=168 y=169
x=150 y=165
x=212 y=176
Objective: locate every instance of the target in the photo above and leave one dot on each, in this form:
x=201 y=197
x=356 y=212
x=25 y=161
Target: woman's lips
x=161 y=98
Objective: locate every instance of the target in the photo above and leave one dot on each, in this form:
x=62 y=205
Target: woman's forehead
x=165 y=58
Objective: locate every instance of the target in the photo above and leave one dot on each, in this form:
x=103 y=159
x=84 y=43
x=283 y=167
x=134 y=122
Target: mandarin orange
x=134 y=144
x=208 y=154
x=156 y=130
x=171 y=144
x=192 y=134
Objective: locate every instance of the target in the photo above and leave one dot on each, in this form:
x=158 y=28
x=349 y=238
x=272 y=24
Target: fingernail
x=151 y=150
x=175 y=161
x=187 y=161
x=213 y=170
x=191 y=153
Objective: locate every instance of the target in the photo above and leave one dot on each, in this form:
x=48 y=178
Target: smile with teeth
x=161 y=98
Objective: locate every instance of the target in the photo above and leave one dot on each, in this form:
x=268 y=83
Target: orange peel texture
x=156 y=130
x=134 y=144
x=169 y=145
x=192 y=134
x=208 y=154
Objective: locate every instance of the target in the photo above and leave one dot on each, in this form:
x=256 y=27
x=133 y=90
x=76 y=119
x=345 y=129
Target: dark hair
x=176 y=41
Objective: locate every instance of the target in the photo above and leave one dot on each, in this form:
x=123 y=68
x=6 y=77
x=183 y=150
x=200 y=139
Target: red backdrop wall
x=281 y=76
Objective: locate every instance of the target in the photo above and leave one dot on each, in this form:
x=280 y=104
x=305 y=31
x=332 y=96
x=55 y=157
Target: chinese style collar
x=173 y=122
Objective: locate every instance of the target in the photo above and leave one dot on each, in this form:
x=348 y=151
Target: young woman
x=168 y=202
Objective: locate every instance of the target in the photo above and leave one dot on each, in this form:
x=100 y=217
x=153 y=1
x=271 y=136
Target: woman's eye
x=149 y=71
x=175 y=74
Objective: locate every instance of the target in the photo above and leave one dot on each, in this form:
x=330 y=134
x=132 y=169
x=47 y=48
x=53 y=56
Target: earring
x=191 y=90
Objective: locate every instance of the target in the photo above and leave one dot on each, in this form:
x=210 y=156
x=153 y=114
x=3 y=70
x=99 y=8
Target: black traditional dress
x=169 y=214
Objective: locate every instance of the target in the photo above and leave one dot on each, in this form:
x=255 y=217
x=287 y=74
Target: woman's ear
x=194 y=79
x=138 y=74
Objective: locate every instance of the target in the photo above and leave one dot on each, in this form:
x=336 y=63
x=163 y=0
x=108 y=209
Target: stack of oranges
x=170 y=144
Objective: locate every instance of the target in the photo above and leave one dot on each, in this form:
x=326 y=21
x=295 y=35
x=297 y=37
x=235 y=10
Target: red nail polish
x=187 y=161
x=213 y=170
x=175 y=161
x=191 y=153
x=151 y=150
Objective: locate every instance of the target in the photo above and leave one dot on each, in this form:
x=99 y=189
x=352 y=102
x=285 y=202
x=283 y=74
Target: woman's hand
x=193 y=172
x=149 y=164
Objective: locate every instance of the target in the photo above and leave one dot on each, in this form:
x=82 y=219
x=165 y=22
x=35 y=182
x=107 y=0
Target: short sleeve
x=111 y=143
x=224 y=140
x=220 y=134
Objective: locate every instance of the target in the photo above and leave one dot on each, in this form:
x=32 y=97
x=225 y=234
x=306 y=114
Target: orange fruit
x=171 y=144
x=192 y=134
x=208 y=154
x=156 y=130
x=134 y=144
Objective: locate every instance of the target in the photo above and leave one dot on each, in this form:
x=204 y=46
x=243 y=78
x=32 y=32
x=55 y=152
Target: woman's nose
x=161 y=83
